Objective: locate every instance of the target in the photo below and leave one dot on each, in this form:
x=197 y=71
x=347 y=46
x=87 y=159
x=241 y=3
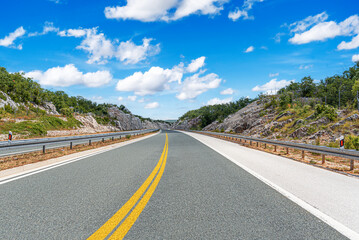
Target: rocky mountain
x=304 y=123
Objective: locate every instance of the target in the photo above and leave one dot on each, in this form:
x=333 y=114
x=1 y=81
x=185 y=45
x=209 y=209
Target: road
x=32 y=145
x=153 y=189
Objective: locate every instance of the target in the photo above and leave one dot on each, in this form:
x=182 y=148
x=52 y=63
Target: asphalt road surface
x=152 y=189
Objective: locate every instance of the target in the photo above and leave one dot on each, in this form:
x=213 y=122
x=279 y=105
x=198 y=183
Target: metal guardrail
x=344 y=153
x=73 y=139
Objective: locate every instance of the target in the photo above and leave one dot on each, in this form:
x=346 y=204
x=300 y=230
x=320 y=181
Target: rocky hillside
x=29 y=119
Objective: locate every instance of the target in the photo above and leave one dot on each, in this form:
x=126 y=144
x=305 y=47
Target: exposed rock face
x=50 y=108
x=187 y=124
x=155 y=125
x=350 y=118
x=246 y=118
x=89 y=125
x=8 y=101
x=124 y=121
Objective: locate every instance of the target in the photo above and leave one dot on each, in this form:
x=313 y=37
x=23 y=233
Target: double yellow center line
x=126 y=225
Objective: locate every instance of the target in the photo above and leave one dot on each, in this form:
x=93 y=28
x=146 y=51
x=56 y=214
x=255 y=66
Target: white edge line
x=30 y=172
x=322 y=216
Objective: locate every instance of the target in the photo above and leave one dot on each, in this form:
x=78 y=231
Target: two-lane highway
x=169 y=186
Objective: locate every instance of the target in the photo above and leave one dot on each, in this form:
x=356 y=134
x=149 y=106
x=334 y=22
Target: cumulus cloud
x=130 y=53
x=120 y=99
x=215 y=101
x=132 y=98
x=154 y=80
x=163 y=10
x=8 y=41
x=355 y=58
x=196 y=64
x=152 y=105
x=243 y=12
x=68 y=76
x=249 y=49
x=228 y=91
x=101 y=49
x=321 y=30
x=272 y=86
x=195 y=85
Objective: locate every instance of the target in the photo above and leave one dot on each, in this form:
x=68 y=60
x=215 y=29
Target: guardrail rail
x=353 y=155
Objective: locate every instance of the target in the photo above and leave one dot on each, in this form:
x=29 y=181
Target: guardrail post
x=351 y=164
x=265 y=146
x=70 y=145
x=113 y=139
x=302 y=154
x=90 y=142
x=103 y=139
x=43 y=149
x=257 y=144
x=275 y=148
x=323 y=158
x=287 y=151
x=250 y=143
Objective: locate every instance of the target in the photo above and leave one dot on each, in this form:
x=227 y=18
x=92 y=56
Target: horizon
x=163 y=61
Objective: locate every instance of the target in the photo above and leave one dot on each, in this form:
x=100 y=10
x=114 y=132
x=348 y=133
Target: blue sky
x=161 y=58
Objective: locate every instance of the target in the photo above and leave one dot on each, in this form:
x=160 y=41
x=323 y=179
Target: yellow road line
x=107 y=228
x=131 y=219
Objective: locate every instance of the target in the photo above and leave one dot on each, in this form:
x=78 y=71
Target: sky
x=161 y=58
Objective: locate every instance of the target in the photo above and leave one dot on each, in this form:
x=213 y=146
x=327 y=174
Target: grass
x=38 y=126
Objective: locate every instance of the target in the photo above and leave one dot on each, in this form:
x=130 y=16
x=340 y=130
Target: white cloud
x=196 y=64
x=99 y=48
x=355 y=58
x=249 y=49
x=354 y=43
x=48 y=27
x=163 y=10
x=305 y=67
x=141 y=100
x=130 y=53
x=228 y=91
x=215 y=101
x=102 y=49
x=8 y=41
x=277 y=37
x=301 y=26
x=273 y=75
x=243 y=13
x=152 y=105
x=322 y=31
x=68 y=76
x=195 y=85
x=132 y=98
x=154 y=80
x=272 y=86
x=120 y=99
x=73 y=33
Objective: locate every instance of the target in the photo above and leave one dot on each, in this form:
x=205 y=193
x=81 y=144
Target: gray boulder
x=124 y=121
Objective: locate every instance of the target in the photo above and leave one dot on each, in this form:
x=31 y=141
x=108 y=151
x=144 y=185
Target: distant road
x=157 y=188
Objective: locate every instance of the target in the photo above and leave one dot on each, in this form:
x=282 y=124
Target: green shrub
x=2 y=96
x=351 y=142
x=322 y=110
x=8 y=108
x=128 y=136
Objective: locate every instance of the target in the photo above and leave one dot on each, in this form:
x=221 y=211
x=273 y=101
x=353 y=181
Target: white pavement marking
x=13 y=174
x=303 y=184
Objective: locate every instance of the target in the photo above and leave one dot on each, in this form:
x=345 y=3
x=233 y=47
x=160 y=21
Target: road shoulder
x=330 y=196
